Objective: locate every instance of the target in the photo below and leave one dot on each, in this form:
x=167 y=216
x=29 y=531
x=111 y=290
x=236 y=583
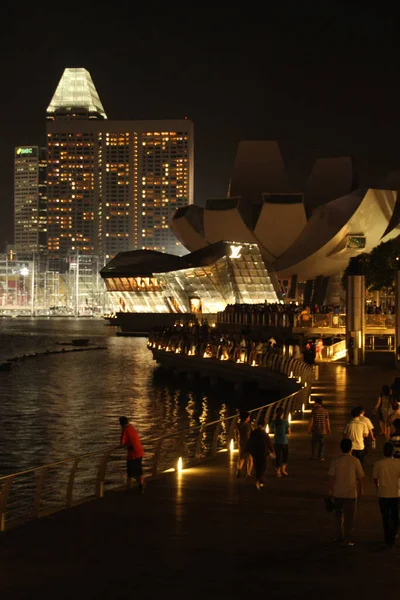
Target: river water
x=56 y=406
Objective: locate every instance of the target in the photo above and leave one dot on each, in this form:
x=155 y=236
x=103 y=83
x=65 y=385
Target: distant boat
x=6 y=366
x=76 y=342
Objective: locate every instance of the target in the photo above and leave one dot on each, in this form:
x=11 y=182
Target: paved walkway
x=205 y=534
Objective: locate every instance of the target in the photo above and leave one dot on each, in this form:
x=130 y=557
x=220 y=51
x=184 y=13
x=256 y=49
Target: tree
x=379 y=266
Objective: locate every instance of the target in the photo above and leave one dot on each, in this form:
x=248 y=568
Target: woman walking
x=281 y=428
x=242 y=434
x=383 y=408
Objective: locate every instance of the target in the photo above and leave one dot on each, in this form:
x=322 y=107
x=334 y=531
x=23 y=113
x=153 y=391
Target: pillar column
x=355 y=319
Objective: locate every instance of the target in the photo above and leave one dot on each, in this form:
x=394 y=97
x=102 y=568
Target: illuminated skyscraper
x=30 y=203
x=112 y=185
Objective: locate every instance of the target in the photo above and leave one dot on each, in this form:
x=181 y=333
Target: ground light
x=267 y=428
x=179 y=465
x=303 y=408
x=289 y=418
x=231 y=446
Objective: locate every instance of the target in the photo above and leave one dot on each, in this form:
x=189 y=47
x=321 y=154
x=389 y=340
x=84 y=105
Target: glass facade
x=237 y=277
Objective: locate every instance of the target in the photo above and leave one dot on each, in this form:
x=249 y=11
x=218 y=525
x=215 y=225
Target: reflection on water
x=57 y=406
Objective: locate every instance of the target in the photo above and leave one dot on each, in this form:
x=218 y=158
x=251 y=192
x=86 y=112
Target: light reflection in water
x=341 y=375
x=57 y=406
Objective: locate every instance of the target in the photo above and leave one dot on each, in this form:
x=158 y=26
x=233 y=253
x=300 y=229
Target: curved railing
x=278 y=362
x=37 y=492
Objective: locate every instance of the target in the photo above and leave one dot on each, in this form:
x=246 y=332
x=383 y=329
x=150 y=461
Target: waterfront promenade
x=206 y=534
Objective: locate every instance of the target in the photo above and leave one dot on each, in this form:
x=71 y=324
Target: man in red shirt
x=130 y=439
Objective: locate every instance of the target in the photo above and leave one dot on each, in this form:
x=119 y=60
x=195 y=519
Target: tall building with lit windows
x=30 y=202
x=112 y=185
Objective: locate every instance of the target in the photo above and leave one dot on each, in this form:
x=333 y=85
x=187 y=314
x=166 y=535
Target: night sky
x=321 y=78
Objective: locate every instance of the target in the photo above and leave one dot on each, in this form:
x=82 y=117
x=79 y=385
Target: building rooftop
x=76 y=90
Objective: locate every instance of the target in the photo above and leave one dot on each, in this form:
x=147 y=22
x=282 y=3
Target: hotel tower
x=112 y=185
x=30 y=205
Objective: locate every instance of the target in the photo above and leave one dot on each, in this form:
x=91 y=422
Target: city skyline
x=319 y=79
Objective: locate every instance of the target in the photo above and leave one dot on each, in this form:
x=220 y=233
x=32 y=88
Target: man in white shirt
x=346 y=477
x=370 y=441
x=356 y=430
x=386 y=475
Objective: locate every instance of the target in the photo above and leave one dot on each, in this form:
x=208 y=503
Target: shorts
x=134 y=467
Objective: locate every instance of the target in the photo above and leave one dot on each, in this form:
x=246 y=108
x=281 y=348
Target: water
x=58 y=406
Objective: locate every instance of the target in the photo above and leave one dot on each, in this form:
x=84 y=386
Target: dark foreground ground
x=206 y=534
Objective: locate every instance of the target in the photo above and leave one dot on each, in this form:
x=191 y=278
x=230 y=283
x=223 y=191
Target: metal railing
x=257 y=355
x=257 y=318
x=334 y=351
x=36 y=492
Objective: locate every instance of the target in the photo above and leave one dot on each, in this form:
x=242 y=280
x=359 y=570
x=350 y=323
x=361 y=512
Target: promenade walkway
x=206 y=534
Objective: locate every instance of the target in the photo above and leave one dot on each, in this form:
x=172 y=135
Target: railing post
x=71 y=480
x=38 y=493
x=231 y=429
x=3 y=502
x=181 y=444
x=197 y=455
x=156 y=456
x=214 y=447
x=101 y=474
x=259 y=412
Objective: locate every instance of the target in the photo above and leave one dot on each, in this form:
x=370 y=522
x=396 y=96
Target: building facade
x=202 y=282
x=113 y=186
x=30 y=200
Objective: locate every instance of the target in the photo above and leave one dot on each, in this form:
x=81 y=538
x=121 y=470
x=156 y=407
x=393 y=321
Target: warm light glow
x=305 y=384
x=190 y=353
x=291 y=374
x=289 y=418
x=179 y=466
x=231 y=445
x=299 y=379
x=303 y=408
x=205 y=355
x=267 y=428
x=253 y=364
x=167 y=349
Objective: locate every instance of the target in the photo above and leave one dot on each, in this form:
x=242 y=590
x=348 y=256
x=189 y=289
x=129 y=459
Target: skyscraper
x=112 y=185
x=30 y=203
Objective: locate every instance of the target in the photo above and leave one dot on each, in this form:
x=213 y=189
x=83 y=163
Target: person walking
x=386 y=476
x=281 y=429
x=395 y=438
x=370 y=440
x=319 y=426
x=356 y=430
x=350 y=350
x=243 y=430
x=260 y=446
x=130 y=439
x=383 y=408
x=393 y=416
x=346 y=483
